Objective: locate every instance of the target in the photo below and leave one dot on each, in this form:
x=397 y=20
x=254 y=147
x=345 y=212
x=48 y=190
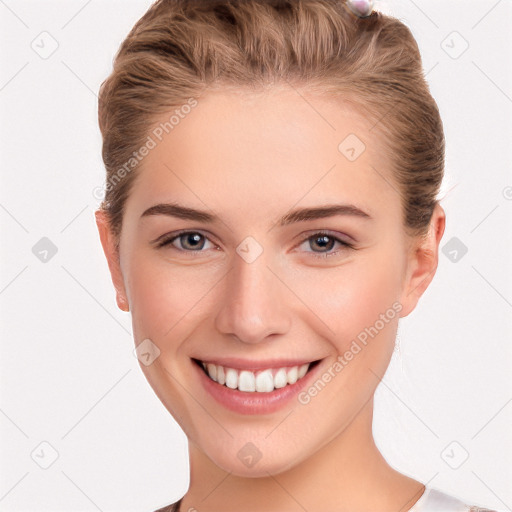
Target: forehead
x=253 y=150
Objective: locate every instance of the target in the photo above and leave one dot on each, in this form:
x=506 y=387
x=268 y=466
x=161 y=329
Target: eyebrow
x=298 y=215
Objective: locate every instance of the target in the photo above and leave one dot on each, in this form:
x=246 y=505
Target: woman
x=271 y=212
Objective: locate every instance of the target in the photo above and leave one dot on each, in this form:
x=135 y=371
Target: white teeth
x=303 y=370
x=221 y=376
x=280 y=378
x=212 y=371
x=246 y=381
x=231 y=378
x=265 y=381
x=292 y=375
x=261 y=381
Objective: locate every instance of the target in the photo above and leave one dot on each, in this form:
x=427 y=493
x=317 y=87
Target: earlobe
x=112 y=255
x=422 y=262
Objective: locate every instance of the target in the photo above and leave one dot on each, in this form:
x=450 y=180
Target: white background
x=69 y=378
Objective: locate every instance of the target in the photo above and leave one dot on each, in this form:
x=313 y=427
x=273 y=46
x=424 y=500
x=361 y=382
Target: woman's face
x=257 y=287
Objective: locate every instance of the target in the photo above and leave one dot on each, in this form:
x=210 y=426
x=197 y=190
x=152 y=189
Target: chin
x=245 y=458
x=260 y=469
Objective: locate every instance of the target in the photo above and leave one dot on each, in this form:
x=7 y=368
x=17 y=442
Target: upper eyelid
x=328 y=232
x=172 y=236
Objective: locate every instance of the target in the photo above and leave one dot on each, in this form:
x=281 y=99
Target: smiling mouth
x=261 y=381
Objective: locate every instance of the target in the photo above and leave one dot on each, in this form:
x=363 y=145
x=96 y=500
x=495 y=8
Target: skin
x=250 y=158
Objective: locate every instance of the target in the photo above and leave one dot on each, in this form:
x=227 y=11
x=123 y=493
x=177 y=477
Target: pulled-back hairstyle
x=181 y=49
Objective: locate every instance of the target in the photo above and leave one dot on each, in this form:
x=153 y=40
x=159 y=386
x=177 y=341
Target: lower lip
x=254 y=402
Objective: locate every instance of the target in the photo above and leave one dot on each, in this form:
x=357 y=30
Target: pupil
x=195 y=237
x=325 y=240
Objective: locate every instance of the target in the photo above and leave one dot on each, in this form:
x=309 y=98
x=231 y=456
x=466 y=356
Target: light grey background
x=71 y=388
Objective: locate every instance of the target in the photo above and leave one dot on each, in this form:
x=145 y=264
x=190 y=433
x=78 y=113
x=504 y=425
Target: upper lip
x=247 y=364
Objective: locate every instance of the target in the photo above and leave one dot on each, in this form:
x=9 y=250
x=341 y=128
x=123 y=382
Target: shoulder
x=433 y=500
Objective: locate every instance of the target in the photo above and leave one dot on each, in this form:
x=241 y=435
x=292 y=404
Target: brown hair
x=180 y=49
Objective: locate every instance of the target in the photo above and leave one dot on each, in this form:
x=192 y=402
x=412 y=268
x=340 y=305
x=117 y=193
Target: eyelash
x=345 y=245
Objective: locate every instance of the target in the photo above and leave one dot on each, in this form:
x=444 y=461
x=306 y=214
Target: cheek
x=350 y=299
x=165 y=297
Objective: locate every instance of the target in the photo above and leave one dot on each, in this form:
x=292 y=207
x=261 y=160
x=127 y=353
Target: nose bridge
x=253 y=305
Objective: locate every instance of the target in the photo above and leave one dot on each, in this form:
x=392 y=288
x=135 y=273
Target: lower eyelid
x=333 y=254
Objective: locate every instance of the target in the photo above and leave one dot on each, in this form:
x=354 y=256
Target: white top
x=433 y=500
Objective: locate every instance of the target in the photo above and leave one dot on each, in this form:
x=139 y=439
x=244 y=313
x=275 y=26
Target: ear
x=422 y=262
x=112 y=255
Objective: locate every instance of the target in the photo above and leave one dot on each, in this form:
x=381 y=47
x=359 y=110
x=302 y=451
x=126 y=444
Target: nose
x=254 y=302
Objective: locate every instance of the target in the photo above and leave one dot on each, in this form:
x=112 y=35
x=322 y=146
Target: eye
x=190 y=241
x=195 y=241
x=327 y=241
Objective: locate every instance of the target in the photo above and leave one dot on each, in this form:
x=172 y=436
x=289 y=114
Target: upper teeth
x=262 y=381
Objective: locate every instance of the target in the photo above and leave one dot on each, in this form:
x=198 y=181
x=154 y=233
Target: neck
x=348 y=474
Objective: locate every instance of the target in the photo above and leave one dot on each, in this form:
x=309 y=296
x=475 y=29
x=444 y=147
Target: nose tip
x=252 y=331
x=252 y=306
